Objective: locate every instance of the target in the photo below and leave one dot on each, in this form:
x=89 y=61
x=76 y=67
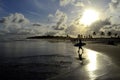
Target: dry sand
x=113 y=51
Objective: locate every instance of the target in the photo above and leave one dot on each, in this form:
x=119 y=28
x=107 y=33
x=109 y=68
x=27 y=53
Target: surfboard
x=79 y=44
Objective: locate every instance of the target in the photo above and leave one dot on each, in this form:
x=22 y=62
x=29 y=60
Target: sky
x=56 y=17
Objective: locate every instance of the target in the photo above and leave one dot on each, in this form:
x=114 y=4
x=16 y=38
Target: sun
x=89 y=16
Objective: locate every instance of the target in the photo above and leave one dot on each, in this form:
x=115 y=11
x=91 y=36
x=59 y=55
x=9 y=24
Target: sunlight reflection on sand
x=92 y=57
x=97 y=63
x=92 y=66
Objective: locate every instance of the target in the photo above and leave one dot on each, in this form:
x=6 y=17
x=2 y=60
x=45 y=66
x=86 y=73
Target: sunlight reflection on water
x=92 y=56
x=92 y=66
x=98 y=63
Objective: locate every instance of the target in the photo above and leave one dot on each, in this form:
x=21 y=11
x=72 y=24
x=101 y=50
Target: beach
x=105 y=67
x=58 y=60
x=112 y=51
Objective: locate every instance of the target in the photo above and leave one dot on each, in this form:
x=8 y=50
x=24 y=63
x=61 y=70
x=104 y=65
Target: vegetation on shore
x=109 y=37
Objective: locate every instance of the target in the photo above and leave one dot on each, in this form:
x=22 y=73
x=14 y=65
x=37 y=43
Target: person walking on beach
x=80 y=47
x=79 y=44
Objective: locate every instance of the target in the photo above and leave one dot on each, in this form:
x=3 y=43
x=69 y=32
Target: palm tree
x=115 y=34
x=109 y=33
x=94 y=33
x=102 y=33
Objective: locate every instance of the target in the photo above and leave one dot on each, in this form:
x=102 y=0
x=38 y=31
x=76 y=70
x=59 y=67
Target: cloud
x=115 y=19
x=79 y=4
x=98 y=25
x=17 y=24
x=112 y=28
x=51 y=33
x=113 y=11
x=58 y=23
x=75 y=3
x=66 y=2
x=13 y=23
x=36 y=24
x=73 y=30
x=50 y=15
x=61 y=23
x=62 y=27
x=114 y=5
x=14 y=19
x=55 y=33
x=60 y=20
x=75 y=27
x=111 y=19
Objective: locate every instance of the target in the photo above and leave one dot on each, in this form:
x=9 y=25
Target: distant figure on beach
x=79 y=45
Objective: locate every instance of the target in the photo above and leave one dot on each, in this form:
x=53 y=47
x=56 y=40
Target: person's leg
x=78 y=51
x=80 y=57
x=82 y=50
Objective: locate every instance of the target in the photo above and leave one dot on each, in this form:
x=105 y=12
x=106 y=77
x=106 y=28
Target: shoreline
x=110 y=50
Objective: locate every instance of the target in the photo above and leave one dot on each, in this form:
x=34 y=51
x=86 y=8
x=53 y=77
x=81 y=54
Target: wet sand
x=106 y=66
x=59 y=62
x=113 y=51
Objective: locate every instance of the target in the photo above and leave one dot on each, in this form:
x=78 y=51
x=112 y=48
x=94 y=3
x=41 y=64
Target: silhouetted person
x=79 y=44
x=80 y=47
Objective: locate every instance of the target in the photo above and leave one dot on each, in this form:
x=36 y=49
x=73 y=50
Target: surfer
x=80 y=47
x=79 y=44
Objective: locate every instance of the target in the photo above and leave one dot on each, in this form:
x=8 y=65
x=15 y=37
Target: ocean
x=35 y=59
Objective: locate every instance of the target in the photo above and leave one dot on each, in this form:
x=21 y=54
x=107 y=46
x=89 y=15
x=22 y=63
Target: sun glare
x=89 y=16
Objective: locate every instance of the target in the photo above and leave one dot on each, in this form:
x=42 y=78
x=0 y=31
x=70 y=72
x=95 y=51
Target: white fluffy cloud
x=113 y=11
x=59 y=19
x=17 y=24
x=114 y=5
x=61 y=23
